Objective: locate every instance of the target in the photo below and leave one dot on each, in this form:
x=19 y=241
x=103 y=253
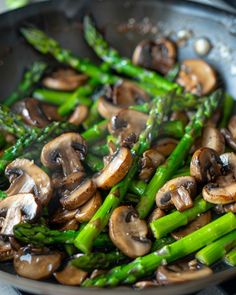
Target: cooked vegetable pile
x=118 y=174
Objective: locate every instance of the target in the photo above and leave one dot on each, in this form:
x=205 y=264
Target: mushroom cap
x=36 y=264
x=220 y=194
x=17 y=208
x=178 y=192
x=159 y=55
x=212 y=138
x=26 y=177
x=205 y=165
x=197 y=76
x=79 y=115
x=115 y=170
x=70 y=275
x=128 y=232
x=107 y=109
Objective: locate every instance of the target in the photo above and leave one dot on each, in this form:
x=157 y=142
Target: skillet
x=62 y=20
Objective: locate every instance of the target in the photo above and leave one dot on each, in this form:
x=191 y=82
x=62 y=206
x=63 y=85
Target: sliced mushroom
x=128 y=232
x=165 y=146
x=126 y=123
x=26 y=177
x=199 y=222
x=178 y=273
x=157 y=55
x=17 y=208
x=225 y=193
x=228 y=138
x=180 y=116
x=205 y=165
x=36 y=264
x=86 y=212
x=150 y=160
x=70 y=275
x=178 y=192
x=62 y=216
x=212 y=138
x=115 y=170
x=65 y=151
x=79 y=115
x=229 y=163
x=6 y=250
x=197 y=76
x=107 y=109
x=64 y=79
x=36 y=113
x=232 y=126
x=214 y=119
x=225 y=208
x=70 y=225
x=156 y=214
x=146 y=284
x=79 y=196
x=69 y=182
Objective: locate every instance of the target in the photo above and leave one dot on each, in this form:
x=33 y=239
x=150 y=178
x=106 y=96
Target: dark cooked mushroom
x=26 y=177
x=156 y=214
x=212 y=138
x=159 y=55
x=232 y=126
x=36 y=263
x=115 y=170
x=206 y=165
x=165 y=146
x=180 y=116
x=86 y=212
x=230 y=140
x=70 y=275
x=63 y=216
x=180 y=273
x=70 y=225
x=79 y=115
x=178 y=192
x=128 y=232
x=150 y=160
x=197 y=76
x=199 y=222
x=225 y=208
x=107 y=109
x=64 y=79
x=6 y=250
x=18 y=208
x=36 y=113
x=66 y=152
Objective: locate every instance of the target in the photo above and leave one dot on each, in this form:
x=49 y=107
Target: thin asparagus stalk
x=3 y=195
x=2 y=141
x=89 y=262
x=96 y=132
x=177 y=157
x=228 y=107
x=173 y=73
x=158 y=244
x=230 y=258
x=94 y=163
x=84 y=240
x=217 y=250
x=168 y=223
x=26 y=86
x=142 y=266
x=93 y=116
x=99 y=150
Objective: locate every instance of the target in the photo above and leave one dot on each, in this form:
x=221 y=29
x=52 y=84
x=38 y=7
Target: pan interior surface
x=124 y=24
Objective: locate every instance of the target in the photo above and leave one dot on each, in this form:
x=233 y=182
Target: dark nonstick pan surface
x=118 y=20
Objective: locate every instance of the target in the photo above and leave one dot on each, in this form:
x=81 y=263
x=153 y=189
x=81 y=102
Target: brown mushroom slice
x=128 y=232
x=220 y=194
x=79 y=115
x=229 y=163
x=205 y=165
x=212 y=138
x=178 y=192
x=115 y=170
x=199 y=222
x=159 y=55
x=165 y=146
x=69 y=225
x=146 y=284
x=26 y=177
x=64 y=80
x=6 y=250
x=65 y=151
x=228 y=138
x=176 y=274
x=180 y=116
x=36 y=264
x=197 y=76
x=150 y=160
x=226 y=208
x=232 y=126
x=63 y=216
x=17 y=208
x=156 y=214
x=70 y=275
x=86 y=212
x=79 y=196
x=69 y=182
x=36 y=113
x=107 y=109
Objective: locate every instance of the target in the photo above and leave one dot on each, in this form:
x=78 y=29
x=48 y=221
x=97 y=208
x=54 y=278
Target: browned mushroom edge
x=70 y=275
x=212 y=138
x=79 y=115
x=165 y=146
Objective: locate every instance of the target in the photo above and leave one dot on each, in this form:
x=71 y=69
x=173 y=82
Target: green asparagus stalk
x=217 y=250
x=26 y=86
x=177 y=157
x=158 y=244
x=89 y=262
x=96 y=132
x=173 y=73
x=142 y=266
x=84 y=240
x=230 y=258
x=94 y=163
x=3 y=195
x=2 y=141
x=93 y=116
x=227 y=107
x=168 y=223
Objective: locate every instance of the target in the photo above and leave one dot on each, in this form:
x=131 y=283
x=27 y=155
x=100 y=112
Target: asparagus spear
x=96 y=132
x=168 y=223
x=3 y=195
x=175 y=160
x=230 y=258
x=94 y=163
x=26 y=86
x=228 y=107
x=142 y=266
x=217 y=250
x=89 y=262
x=84 y=240
x=158 y=244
